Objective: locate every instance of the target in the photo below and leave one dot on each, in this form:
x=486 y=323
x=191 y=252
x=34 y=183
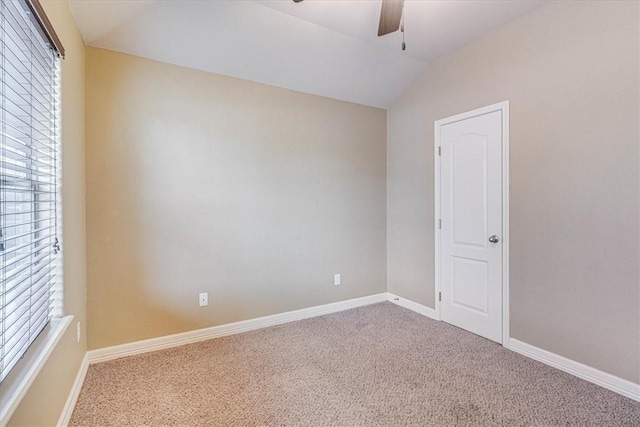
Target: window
x=29 y=177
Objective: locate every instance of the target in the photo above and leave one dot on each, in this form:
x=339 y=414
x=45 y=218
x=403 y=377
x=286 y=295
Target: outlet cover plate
x=204 y=299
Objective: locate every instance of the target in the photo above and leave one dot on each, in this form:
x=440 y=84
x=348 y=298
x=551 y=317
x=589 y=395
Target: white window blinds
x=29 y=181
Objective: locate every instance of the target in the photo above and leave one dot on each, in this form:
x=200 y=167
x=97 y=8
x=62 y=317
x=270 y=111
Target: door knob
x=494 y=239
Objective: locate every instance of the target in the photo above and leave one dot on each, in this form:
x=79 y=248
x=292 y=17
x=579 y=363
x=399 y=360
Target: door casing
x=504 y=108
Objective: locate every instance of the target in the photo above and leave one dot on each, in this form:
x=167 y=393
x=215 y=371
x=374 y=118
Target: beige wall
x=45 y=399
x=198 y=182
x=571 y=73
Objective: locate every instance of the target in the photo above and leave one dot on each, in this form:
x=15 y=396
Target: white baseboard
x=153 y=344
x=65 y=417
x=413 y=306
x=577 y=369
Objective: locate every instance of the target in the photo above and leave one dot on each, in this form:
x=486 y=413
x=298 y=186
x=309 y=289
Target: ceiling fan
x=390 y=17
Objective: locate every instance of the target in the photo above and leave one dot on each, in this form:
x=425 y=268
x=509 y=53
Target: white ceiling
x=323 y=47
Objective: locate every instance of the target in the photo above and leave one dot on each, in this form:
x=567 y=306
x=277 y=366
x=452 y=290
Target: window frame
x=21 y=376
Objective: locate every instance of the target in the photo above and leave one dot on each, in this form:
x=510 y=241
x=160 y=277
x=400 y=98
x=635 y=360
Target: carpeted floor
x=380 y=365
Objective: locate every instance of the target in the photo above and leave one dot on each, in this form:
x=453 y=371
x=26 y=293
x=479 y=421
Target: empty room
x=319 y=213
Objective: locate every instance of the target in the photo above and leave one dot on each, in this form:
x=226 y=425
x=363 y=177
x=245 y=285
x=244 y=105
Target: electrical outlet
x=204 y=299
x=78 y=332
x=336 y=279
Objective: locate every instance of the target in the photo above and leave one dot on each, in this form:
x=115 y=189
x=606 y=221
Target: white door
x=471 y=223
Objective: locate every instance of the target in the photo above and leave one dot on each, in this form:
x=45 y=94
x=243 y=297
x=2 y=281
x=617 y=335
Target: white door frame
x=504 y=108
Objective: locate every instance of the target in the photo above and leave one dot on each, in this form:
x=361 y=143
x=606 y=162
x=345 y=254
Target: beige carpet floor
x=380 y=365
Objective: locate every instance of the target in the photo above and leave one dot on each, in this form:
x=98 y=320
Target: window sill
x=17 y=383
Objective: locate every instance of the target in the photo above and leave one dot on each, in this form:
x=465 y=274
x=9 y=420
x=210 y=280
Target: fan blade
x=390 y=16
x=297 y=1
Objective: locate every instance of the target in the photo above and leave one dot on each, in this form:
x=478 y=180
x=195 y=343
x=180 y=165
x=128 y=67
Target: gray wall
x=571 y=73
x=202 y=183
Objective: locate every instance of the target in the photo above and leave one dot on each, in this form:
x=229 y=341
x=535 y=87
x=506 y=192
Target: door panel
x=468 y=179
x=471 y=212
x=470 y=284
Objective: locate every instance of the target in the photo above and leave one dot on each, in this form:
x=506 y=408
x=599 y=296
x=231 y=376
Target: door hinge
x=440 y=223
x=439 y=151
x=439 y=296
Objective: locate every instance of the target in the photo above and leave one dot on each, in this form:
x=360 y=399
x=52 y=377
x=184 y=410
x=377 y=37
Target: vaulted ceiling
x=323 y=47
